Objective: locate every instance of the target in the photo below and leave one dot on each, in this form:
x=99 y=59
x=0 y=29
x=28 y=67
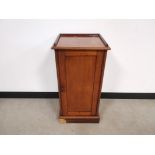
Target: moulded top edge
x=81 y=42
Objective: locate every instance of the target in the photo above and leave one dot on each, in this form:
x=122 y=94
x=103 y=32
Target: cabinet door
x=80 y=81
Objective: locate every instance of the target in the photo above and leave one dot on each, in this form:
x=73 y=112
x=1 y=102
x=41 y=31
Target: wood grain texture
x=80 y=41
x=80 y=73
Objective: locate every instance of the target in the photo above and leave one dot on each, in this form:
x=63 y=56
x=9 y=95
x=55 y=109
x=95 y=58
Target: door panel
x=79 y=83
x=79 y=70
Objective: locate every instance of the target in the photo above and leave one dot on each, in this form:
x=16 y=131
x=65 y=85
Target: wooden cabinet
x=80 y=61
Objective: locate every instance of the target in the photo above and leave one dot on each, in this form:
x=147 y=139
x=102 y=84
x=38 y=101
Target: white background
x=28 y=64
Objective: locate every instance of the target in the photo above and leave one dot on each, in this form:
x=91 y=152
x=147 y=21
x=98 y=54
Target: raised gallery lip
x=80 y=48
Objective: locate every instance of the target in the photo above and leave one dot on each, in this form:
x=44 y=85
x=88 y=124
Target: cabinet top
x=80 y=42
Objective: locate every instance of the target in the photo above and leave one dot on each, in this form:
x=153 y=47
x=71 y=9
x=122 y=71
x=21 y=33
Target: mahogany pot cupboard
x=80 y=62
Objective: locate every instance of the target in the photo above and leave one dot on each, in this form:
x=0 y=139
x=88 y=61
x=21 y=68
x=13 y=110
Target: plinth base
x=79 y=119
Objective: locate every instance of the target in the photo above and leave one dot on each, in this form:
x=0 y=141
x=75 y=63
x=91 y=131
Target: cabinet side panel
x=104 y=56
x=62 y=82
x=101 y=56
x=58 y=77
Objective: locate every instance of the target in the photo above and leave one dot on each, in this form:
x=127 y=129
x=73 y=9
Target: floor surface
x=40 y=116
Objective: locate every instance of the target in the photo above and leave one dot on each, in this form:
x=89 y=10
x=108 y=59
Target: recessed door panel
x=79 y=70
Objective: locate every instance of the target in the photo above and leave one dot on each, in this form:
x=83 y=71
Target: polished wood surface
x=80 y=73
x=81 y=41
